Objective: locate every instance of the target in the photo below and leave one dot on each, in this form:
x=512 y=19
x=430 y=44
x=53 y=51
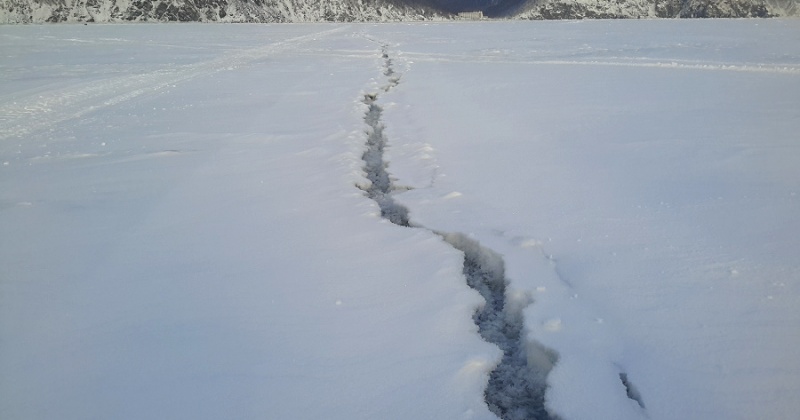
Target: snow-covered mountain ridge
x=616 y=9
x=40 y=11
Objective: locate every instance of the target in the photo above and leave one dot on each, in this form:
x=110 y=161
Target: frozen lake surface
x=271 y=221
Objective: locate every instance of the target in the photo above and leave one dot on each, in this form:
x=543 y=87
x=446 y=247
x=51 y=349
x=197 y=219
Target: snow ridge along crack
x=517 y=385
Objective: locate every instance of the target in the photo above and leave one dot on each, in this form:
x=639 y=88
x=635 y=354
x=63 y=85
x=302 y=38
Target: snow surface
x=183 y=234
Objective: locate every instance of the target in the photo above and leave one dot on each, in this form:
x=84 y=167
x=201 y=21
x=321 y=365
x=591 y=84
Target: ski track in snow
x=614 y=62
x=36 y=113
x=516 y=388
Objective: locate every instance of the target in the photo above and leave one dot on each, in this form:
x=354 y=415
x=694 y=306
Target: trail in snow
x=35 y=113
x=516 y=386
x=636 y=62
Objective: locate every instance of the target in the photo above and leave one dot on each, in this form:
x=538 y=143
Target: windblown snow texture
x=516 y=388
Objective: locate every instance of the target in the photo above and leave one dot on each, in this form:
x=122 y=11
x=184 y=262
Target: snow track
x=29 y=114
x=632 y=62
x=516 y=386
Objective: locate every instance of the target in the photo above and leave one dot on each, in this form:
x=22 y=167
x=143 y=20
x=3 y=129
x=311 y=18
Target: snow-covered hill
x=613 y=9
x=37 y=11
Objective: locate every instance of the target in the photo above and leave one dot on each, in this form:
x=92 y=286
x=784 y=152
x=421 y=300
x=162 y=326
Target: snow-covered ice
x=184 y=231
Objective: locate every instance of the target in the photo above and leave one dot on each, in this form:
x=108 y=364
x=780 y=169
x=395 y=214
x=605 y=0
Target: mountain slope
x=40 y=11
x=37 y=11
x=614 y=9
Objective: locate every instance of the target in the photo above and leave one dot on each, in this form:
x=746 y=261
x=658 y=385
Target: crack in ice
x=380 y=188
x=517 y=385
x=631 y=390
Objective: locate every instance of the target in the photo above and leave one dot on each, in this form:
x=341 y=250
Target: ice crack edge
x=380 y=187
x=516 y=389
x=517 y=385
